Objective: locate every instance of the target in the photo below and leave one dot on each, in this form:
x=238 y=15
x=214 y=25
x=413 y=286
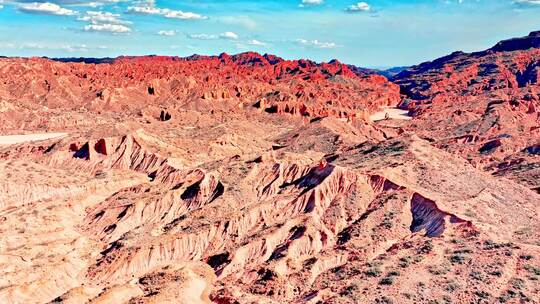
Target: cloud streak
x=167 y=33
x=107 y=27
x=46 y=8
x=358 y=7
x=149 y=8
x=202 y=36
x=229 y=36
x=527 y=3
x=305 y=3
x=105 y=22
x=97 y=17
x=255 y=42
x=317 y=44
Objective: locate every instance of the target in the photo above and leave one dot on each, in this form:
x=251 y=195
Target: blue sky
x=374 y=33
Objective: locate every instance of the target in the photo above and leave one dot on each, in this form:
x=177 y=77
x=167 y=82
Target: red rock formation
x=482 y=106
x=129 y=84
x=170 y=187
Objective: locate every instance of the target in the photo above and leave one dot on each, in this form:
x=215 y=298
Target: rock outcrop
x=482 y=106
x=128 y=85
x=253 y=179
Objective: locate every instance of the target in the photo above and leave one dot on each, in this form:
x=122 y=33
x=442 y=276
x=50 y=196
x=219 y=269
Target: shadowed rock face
x=516 y=44
x=426 y=216
x=252 y=179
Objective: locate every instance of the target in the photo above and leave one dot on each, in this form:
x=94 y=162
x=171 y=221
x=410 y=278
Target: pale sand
x=393 y=113
x=17 y=139
x=194 y=292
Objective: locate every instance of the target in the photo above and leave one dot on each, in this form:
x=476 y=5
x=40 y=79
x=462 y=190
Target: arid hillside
x=253 y=179
x=483 y=106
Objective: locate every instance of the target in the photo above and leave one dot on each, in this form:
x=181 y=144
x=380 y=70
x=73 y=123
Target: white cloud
x=102 y=17
x=224 y=35
x=311 y=3
x=527 y=2
x=94 y=4
x=317 y=44
x=46 y=8
x=228 y=35
x=256 y=42
x=359 y=7
x=202 y=36
x=105 y=22
x=184 y=15
x=167 y=33
x=149 y=8
x=107 y=27
x=75 y=48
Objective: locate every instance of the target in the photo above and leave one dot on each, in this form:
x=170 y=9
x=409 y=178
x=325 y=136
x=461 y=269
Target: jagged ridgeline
x=253 y=179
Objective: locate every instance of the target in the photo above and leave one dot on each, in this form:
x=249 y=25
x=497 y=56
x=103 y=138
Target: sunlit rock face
x=252 y=179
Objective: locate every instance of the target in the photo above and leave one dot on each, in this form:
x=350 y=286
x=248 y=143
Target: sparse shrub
x=457 y=259
x=496 y=273
x=407 y=295
x=388 y=220
x=100 y=174
x=437 y=270
x=525 y=231
x=427 y=247
x=517 y=283
x=476 y=275
x=490 y=245
x=526 y=257
x=394 y=273
x=456 y=241
x=387 y=281
x=349 y=290
x=447 y=299
x=532 y=269
x=482 y=294
x=387 y=224
x=512 y=294
x=404 y=262
x=418 y=258
x=373 y=272
x=384 y=300
x=452 y=286
x=463 y=251
x=470 y=213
